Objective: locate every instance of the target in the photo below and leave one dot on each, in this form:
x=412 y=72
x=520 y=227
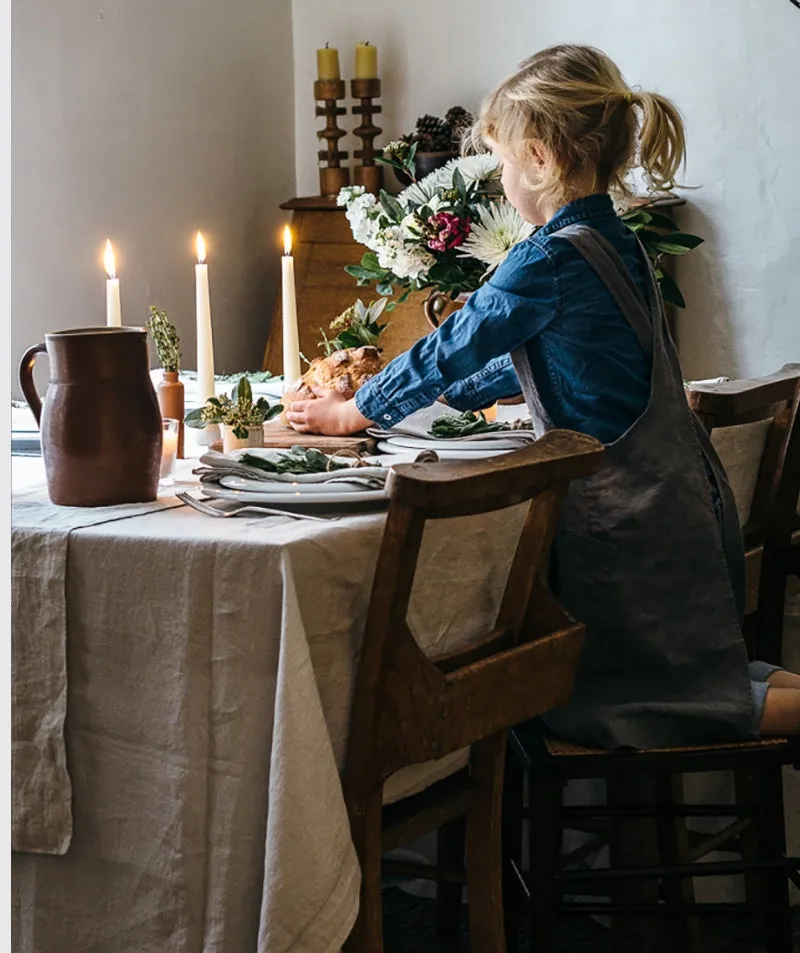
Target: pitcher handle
x=26 y=379
x=433 y=306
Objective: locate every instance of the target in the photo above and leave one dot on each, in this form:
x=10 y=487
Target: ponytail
x=662 y=145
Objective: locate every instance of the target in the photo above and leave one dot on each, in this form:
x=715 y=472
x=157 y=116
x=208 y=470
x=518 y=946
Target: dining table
x=182 y=690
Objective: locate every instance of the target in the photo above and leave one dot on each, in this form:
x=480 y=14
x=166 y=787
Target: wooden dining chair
x=409 y=708
x=770 y=522
x=653 y=857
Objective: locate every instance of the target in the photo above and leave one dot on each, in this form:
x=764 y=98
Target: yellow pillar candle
x=113 y=310
x=366 y=61
x=291 y=343
x=328 y=63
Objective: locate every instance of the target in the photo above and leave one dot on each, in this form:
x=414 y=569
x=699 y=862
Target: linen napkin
x=217 y=465
x=420 y=422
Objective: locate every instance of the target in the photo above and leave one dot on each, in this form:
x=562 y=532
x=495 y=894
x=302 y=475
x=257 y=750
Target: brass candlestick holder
x=331 y=177
x=368 y=173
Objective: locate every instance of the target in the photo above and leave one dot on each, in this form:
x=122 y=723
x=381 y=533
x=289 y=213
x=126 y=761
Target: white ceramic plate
x=289 y=486
x=394 y=452
x=422 y=443
x=302 y=496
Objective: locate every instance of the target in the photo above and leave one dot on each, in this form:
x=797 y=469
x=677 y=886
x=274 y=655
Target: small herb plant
x=355 y=327
x=644 y=221
x=166 y=339
x=237 y=411
x=468 y=424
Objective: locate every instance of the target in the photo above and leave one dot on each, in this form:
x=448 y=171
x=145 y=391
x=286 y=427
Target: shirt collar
x=590 y=206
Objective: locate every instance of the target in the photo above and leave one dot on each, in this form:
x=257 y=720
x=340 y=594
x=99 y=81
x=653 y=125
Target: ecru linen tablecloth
x=211 y=667
x=41 y=791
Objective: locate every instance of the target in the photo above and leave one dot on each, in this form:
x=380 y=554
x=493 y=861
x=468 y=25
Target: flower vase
x=438 y=306
x=254 y=438
x=170 y=393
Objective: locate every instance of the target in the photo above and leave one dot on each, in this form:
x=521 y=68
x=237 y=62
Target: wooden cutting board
x=279 y=437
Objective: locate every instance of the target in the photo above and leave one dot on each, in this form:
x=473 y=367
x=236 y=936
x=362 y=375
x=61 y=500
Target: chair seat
x=544 y=754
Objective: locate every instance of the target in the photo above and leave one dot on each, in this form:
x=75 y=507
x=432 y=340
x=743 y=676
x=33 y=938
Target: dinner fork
x=208 y=509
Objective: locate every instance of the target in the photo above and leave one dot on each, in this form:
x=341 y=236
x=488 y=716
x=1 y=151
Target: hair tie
x=628 y=97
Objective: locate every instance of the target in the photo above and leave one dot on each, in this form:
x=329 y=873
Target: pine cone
x=433 y=134
x=459 y=120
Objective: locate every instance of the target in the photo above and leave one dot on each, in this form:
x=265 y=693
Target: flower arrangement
x=433 y=141
x=238 y=411
x=451 y=229
x=166 y=339
x=447 y=231
x=355 y=327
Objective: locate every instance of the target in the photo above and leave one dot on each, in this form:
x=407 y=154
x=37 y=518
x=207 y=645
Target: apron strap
x=607 y=263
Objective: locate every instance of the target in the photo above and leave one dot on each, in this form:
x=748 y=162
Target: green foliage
x=238 y=411
x=296 y=460
x=355 y=327
x=468 y=424
x=666 y=240
x=166 y=339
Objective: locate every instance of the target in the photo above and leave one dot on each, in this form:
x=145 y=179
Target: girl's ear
x=537 y=153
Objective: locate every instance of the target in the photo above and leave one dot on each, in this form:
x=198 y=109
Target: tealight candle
x=366 y=61
x=169 y=448
x=113 y=309
x=328 y=63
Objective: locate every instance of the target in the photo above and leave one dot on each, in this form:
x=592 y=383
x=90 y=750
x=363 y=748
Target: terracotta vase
x=100 y=423
x=170 y=395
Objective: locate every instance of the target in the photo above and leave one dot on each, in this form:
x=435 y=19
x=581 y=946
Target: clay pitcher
x=100 y=423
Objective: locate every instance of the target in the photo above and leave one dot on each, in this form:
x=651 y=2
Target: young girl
x=649 y=553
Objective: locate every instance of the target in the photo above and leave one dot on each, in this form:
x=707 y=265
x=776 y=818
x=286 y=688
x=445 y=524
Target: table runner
x=41 y=791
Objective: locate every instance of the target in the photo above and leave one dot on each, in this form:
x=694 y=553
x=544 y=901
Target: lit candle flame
x=109 y=262
x=201 y=249
x=287 y=240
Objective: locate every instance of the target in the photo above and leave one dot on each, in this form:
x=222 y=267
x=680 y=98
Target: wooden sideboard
x=323 y=245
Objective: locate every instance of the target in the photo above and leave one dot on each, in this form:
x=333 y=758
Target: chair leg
x=450 y=840
x=770 y=825
x=513 y=784
x=545 y=838
x=673 y=848
x=484 y=847
x=365 y=828
x=633 y=843
x=771 y=611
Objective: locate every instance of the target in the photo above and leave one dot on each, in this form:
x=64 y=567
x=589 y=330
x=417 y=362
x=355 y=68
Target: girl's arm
x=512 y=307
x=497 y=380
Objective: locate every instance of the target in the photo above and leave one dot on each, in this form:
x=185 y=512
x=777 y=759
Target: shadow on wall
x=704 y=331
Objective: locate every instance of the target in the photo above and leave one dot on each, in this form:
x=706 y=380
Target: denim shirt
x=589 y=368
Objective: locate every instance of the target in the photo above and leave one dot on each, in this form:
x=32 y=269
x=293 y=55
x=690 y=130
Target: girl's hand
x=329 y=414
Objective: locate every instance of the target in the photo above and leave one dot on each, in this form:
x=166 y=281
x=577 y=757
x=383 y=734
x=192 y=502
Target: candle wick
x=327 y=46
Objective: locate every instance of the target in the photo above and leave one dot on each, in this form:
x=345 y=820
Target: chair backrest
x=410 y=708
x=759 y=457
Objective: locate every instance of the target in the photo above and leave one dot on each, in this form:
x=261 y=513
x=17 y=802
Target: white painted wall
x=732 y=68
x=144 y=122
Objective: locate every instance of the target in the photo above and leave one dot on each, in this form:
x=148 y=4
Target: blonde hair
x=574 y=101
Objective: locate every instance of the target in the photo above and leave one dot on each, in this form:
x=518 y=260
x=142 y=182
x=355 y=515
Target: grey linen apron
x=644 y=561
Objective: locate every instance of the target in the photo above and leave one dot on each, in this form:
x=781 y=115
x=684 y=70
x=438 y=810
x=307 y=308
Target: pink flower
x=447 y=230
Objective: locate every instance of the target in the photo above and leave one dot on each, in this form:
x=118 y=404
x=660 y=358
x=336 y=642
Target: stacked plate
x=356 y=485
x=405 y=440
